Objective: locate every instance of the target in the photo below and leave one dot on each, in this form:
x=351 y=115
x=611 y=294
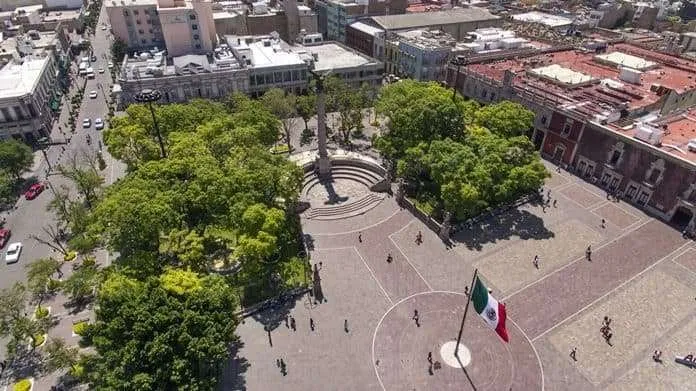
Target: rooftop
x=366 y=28
x=543 y=18
x=437 y=18
x=263 y=51
x=21 y=79
x=333 y=56
x=608 y=91
x=154 y=64
x=130 y=3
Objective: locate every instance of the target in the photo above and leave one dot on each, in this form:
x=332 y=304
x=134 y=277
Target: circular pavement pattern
x=400 y=349
x=346 y=189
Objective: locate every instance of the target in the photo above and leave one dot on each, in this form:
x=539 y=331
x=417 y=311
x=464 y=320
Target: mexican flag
x=490 y=310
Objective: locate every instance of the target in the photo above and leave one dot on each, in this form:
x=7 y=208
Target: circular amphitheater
x=355 y=185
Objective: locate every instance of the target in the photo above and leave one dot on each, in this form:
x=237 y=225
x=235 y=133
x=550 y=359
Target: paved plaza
x=642 y=274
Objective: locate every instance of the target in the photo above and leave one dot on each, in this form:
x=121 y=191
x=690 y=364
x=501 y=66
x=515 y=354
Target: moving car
x=101 y=70
x=103 y=27
x=111 y=65
x=93 y=94
x=13 y=252
x=94 y=58
x=98 y=124
x=34 y=190
x=4 y=236
x=86 y=123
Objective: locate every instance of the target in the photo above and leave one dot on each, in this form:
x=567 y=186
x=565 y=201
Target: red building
x=619 y=115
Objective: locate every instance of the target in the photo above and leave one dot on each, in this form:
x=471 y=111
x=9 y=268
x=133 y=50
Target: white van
x=90 y=73
x=83 y=68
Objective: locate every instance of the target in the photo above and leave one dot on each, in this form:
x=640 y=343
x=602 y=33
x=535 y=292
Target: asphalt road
x=29 y=217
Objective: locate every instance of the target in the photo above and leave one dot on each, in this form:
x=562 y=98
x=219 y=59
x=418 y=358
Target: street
x=28 y=217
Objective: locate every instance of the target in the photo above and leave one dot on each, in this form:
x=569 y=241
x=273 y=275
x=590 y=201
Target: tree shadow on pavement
x=515 y=222
x=233 y=375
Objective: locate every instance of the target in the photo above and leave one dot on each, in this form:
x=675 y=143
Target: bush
x=53 y=285
x=70 y=256
x=278 y=149
x=41 y=312
x=39 y=339
x=89 y=262
x=77 y=371
x=375 y=124
x=81 y=328
x=22 y=385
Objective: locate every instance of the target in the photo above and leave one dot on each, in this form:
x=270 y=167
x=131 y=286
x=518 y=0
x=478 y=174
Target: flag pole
x=466 y=309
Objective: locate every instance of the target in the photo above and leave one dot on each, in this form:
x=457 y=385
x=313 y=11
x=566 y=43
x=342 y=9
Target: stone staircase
x=357 y=174
x=349 y=209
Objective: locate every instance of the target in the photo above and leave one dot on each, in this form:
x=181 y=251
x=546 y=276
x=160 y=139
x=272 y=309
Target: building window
x=198 y=46
x=194 y=27
x=631 y=191
x=137 y=21
x=19 y=113
x=654 y=176
x=192 y=17
x=141 y=31
x=125 y=12
x=543 y=120
x=195 y=36
x=32 y=110
x=150 y=31
x=615 y=156
x=144 y=41
x=148 y=21
x=135 y=12
x=605 y=179
x=643 y=198
x=6 y=114
x=566 y=130
x=146 y=12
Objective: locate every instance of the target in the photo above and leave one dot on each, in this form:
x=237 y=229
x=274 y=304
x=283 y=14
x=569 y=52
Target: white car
x=103 y=27
x=86 y=123
x=98 y=124
x=13 y=252
x=101 y=70
x=93 y=94
x=111 y=65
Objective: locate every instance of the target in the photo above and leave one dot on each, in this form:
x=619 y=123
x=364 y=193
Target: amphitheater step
x=357 y=174
x=350 y=209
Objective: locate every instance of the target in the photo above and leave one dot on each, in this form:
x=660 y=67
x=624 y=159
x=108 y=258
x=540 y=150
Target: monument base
x=323 y=166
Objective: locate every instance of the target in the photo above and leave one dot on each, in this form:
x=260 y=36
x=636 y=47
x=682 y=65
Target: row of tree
x=454 y=155
x=15 y=159
x=219 y=203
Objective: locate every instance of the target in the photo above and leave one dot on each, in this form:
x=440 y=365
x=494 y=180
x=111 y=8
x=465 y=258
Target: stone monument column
x=323 y=164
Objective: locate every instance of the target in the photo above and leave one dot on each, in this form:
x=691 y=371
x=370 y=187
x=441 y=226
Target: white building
x=556 y=22
x=26 y=91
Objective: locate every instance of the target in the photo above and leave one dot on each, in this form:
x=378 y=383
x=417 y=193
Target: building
x=27 y=89
x=136 y=23
x=457 y=22
x=336 y=59
x=64 y=4
x=424 y=55
x=246 y=64
x=620 y=116
x=556 y=22
x=182 y=26
x=183 y=78
x=333 y=16
x=361 y=37
x=271 y=63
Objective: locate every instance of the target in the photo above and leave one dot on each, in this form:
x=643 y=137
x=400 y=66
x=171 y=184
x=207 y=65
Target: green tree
x=6 y=188
x=60 y=355
x=165 y=333
x=15 y=157
x=505 y=118
x=306 y=108
x=15 y=323
x=284 y=106
x=420 y=112
x=80 y=286
x=119 y=49
x=40 y=280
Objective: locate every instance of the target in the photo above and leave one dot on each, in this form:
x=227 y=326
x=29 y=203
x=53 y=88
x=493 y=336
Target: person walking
x=573 y=354
x=604 y=223
x=416 y=318
x=345 y=325
x=536 y=261
x=311 y=324
x=389 y=258
x=419 y=238
x=588 y=253
x=430 y=357
x=359 y=237
x=293 y=324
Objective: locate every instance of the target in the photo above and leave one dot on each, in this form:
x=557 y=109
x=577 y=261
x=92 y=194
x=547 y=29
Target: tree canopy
x=454 y=155
x=15 y=157
x=165 y=333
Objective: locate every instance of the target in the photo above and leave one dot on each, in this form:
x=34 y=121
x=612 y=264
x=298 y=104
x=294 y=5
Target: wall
x=265 y=24
x=360 y=41
x=176 y=30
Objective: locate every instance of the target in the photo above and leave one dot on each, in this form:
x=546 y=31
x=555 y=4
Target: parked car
x=93 y=94
x=98 y=124
x=86 y=123
x=101 y=70
x=111 y=65
x=13 y=252
x=34 y=190
x=4 y=236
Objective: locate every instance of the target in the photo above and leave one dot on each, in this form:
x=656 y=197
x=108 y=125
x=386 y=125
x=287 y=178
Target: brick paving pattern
x=637 y=264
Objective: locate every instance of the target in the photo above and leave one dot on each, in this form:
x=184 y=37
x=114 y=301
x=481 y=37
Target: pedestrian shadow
x=234 y=373
x=516 y=222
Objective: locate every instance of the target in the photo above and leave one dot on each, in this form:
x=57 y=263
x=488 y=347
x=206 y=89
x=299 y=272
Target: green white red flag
x=492 y=312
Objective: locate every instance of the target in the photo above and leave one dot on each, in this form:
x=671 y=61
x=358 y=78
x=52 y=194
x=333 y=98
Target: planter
x=42 y=312
x=78 y=328
x=40 y=341
x=21 y=385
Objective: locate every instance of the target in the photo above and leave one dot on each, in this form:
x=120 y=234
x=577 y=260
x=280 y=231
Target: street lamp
x=148 y=96
x=458 y=60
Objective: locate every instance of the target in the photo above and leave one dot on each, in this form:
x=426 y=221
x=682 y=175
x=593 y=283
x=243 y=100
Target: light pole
x=459 y=60
x=148 y=96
